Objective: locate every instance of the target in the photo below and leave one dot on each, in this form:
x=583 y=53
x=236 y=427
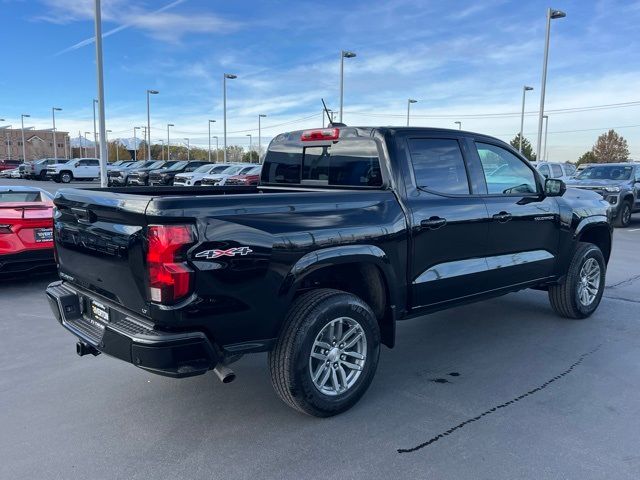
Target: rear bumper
x=27 y=260
x=130 y=338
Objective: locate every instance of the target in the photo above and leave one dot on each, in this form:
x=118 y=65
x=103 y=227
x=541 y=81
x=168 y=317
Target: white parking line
x=634 y=230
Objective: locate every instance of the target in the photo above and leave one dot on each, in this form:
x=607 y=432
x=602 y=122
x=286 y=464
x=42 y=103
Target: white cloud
x=160 y=24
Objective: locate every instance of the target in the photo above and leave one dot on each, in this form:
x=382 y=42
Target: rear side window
x=556 y=171
x=352 y=162
x=438 y=165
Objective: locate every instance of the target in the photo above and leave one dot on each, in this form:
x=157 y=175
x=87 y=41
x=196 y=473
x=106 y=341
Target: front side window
x=505 y=173
x=438 y=165
x=544 y=170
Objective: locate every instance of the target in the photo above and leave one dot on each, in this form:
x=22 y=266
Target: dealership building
x=37 y=144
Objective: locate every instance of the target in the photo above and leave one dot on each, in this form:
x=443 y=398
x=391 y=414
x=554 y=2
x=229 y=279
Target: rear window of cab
x=350 y=162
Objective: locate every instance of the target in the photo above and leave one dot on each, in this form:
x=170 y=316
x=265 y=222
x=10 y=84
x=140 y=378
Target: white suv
x=78 y=168
x=561 y=171
x=195 y=177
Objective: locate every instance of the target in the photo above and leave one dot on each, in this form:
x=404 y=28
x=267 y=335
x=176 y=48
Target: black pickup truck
x=350 y=230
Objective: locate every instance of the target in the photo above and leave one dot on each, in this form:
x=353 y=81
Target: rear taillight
x=170 y=278
x=320 y=134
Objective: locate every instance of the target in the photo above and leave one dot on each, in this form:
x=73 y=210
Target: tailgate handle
x=83 y=215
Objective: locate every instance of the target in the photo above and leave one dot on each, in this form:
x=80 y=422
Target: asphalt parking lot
x=500 y=390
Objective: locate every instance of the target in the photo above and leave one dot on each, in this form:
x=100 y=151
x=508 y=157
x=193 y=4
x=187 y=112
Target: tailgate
x=99 y=243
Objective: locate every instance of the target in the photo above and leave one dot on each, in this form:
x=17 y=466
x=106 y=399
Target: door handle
x=502 y=217
x=434 y=223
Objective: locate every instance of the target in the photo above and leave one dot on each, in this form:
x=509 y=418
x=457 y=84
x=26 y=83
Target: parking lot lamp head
x=459 y=124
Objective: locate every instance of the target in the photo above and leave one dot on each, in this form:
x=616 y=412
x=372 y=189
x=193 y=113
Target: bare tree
x=610 y=148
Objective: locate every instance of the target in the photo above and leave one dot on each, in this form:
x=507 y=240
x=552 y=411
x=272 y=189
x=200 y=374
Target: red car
x=249 y=178
x=26 y=229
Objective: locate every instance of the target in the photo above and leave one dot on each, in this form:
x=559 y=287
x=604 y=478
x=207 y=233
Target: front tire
x=66 y=177
x=327 y=353
x=624 y=215
x=581 y=292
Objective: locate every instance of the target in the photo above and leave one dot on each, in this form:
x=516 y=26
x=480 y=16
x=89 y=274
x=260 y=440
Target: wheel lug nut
x=342 y=357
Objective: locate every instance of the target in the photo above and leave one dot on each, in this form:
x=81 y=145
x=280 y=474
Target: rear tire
x=327 y=353
x=624 y=215
x=581 y=292
x=43 y=175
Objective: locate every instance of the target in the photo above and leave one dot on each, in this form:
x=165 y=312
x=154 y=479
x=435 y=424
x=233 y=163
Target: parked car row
x=139 y=173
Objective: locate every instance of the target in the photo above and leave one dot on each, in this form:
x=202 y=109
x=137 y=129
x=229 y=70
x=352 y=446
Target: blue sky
x=459 y=59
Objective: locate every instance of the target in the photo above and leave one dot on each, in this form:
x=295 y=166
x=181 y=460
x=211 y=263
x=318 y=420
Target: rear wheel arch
x=368 y=276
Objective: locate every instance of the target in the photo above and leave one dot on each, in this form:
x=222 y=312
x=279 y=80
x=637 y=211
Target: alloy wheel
x=338 y=356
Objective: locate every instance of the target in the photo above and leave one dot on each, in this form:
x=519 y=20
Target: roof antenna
x=331 y=123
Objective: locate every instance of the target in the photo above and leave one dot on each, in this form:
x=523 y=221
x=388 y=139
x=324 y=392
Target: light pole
x=161 y=148
x=409 y=102
x=7 y=127
x=100 y=79
x=343 y=54
x=250 y=146
x=95 y=131
x=188 y=150
x=146 y=146
x=149 y=93
x=459 y=124
x=81 y=142
x=546 y=128
x=230 y=76
x=24 y=154
x=55 y=145
x=209 y=124
x=551 y=15
x=260 y=117
x=169 y=141
x=217 y=149
x=135 y=144
x=525 y=89
x=106 y=139
x=86 y=135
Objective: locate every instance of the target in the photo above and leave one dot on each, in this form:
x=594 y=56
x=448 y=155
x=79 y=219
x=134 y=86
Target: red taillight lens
x=320 y=134
x=170 y=278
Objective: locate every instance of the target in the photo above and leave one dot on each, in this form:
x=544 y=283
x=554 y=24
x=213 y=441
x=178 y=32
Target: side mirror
x=77 y=164
x=554 y=187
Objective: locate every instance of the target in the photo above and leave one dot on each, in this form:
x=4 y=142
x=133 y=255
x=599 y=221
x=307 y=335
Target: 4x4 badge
x=230 y=252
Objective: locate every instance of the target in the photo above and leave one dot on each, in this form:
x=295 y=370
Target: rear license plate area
x=42 y=235
x=99 y=312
